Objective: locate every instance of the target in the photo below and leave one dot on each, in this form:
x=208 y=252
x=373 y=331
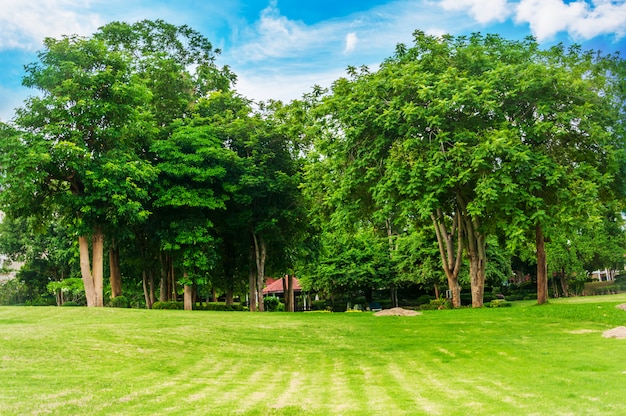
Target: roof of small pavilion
x=277 y=286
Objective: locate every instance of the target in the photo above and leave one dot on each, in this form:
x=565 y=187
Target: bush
x=273 y=304
x=424 y=299
x=498 y=303
x=41 y=301
x=441 y=303
x=120 y=302
x=70 y=303
x=170 y=305
x=218 y=306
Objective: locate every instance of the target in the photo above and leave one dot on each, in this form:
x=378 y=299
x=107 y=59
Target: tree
x=478 y=134
x=79 y=137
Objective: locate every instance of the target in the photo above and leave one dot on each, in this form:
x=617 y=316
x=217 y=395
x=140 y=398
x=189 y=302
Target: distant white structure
x=8 y=269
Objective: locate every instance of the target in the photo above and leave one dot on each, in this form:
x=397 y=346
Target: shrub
x=168 y=305
x=498 y=303
x=214 y=306
x=70 y=303
x=441 y=303
x=273 y=304
x=120 y=302
x=424 y=299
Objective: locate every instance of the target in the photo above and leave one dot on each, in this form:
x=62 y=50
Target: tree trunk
x=85 y=270
x=542 y=266
x=253 y=294
x=292 y=300
x=98 y=267
x=477 y=252
x=564 y=284
x=148 y=288
x=188 y=297
x=260 y=251
x=451 y=260
x=163 y=287
x=115 y=275
x=92 y=278
x=230 y=298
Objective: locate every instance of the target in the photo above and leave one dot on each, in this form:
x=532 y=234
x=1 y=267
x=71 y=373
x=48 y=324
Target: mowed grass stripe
x=521 y=360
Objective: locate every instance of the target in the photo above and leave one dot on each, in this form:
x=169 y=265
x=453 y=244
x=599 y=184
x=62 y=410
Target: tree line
x=456 y=155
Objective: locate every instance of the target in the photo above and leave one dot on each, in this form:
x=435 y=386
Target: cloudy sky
x=281 y=48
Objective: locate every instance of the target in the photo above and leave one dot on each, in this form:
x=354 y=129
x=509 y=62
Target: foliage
x=273 y=304
x=498 y=303
x=13 y=292
x=120 y=302
x=171 y=305
x=218 y=306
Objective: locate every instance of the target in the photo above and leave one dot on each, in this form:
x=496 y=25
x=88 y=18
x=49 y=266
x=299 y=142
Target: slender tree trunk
x=151 y=287
x=260 y=251
x=253 y=294
x=436 y=290
x=115 y=275
x=146 y=290
x=163 y=287
x=451 y=260
x=292 y=303
x=477 y=252
x=542 y=266
x=564 y=284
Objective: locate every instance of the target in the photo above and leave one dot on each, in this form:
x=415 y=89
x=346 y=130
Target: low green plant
x=171 y=305
x=273 y=304
x=70 y=303
x=120 y=302
x=498 y=303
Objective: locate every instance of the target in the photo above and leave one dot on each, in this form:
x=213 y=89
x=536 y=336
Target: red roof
x=277 y=286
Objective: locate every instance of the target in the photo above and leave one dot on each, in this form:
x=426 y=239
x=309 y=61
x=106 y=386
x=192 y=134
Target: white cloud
x=351 y=41
x=24 y=24
x=580 y=19
x=484 y=11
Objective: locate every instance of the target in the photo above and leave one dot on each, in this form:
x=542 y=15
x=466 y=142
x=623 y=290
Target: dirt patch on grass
x=397 y=312
x=622 y=306
x=619 y=332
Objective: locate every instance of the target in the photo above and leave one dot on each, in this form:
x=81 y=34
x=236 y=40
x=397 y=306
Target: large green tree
x=477 y=134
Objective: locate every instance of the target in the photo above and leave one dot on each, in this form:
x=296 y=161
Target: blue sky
x=281 y=48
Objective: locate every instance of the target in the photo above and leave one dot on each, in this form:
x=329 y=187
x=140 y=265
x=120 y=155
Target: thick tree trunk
x=542 y=266
x=230 y=297
x=188 y=297
x=92 y=274
x=260 y=251
x=98 y=267
x=451 y=260
x=115 y=275
x=85 y=270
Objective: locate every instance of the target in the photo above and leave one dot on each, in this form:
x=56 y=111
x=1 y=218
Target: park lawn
x=524 y=360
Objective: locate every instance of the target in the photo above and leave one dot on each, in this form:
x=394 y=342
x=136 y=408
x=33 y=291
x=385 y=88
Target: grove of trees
x=455 y=157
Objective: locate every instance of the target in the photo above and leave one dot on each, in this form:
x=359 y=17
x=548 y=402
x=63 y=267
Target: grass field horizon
x=524 y=360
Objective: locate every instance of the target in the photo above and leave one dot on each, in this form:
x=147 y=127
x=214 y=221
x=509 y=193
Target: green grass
x=524 y=360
